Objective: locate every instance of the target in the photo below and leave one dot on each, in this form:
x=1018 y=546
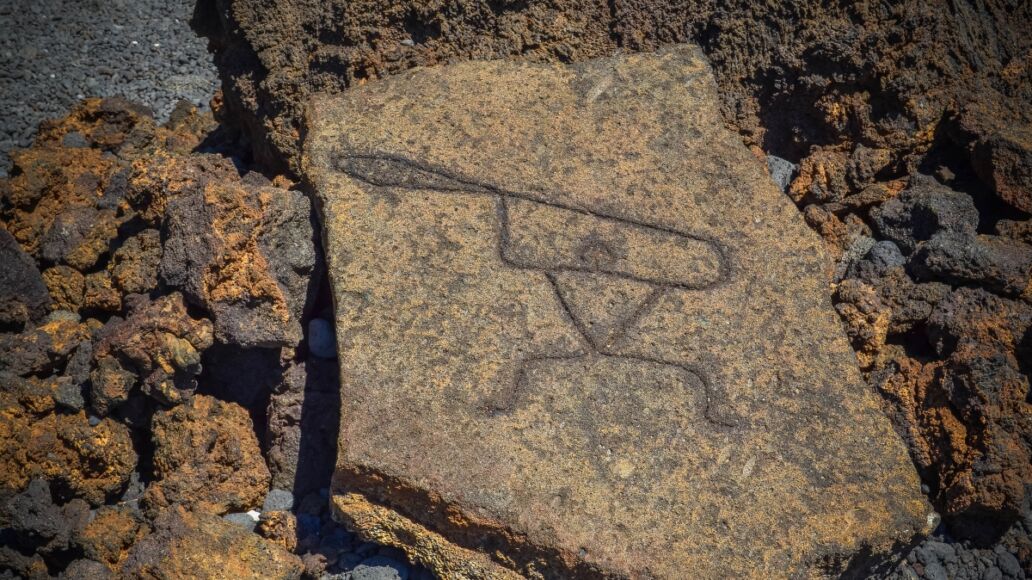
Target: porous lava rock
x=243 y=252
x=158 y=348
x=964 y=412
x=599 y=345
x=23 y=293
x=188 y=544
x=206 y=457
x=78 y=458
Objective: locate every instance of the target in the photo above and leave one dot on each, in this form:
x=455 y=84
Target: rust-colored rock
x=134 y=266
x=279 y=527
x=243 y=252
x=66 y=286
x=158 y=347
x=198 y=545
x=79 y=460
x=108 y=537
x=206 y=457
x=581 y=332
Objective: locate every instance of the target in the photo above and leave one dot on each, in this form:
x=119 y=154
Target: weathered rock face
x=206 y=457
x=792 y=74
x=582 y=332
x=199 y=545
x=23 y=294
x=243 y=252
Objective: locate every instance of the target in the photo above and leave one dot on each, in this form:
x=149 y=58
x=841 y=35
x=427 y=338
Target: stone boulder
x=581 y=333
x=206 y=457
x=197 y=545
x=23 y=294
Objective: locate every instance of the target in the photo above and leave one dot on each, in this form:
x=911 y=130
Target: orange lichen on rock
x=206 y=457
x=91 y=462
x=188 y=544
x=108 y=537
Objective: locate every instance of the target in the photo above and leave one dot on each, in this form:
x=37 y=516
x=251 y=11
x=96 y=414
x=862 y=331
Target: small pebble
x=1008 y=564
x=380 y=568
x=243 y=519
x=781 y=171
x=278 y=500
x=321 y=341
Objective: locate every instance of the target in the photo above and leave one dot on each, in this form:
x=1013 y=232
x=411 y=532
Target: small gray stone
x=321 y=341
x=934 y=571
x=781 y=171
x=380 y=568
x=86 y=569
x=886 y=255
x=242 y=519
x=992 y=573
x=1008 y=564
x=278 y=500
x=68 y=394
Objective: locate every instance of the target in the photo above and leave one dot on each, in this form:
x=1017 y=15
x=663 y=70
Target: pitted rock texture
x=885 y=77
x=158 y=347
x=201 y=545
x=243 y=251
x=23 y=293
x=206 y=457
x=582 y=332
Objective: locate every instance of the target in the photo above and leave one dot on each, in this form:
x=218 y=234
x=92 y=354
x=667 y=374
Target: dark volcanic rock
x=34 y=516
x=79 y=458
x=800 y=70
x=206 y=457
x=158 y=347
x=23 y=294
x=1000 y=264
x=79 y=237
x=984 y=339
x=923 y=211
x=244 y=253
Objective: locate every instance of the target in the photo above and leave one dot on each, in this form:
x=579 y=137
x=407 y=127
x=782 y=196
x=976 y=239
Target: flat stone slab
x=582 y=334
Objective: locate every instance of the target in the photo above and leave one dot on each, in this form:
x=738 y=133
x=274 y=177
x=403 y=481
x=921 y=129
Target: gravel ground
x=55 y=52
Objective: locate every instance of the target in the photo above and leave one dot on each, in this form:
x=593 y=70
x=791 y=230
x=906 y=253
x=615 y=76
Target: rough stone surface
x=244 y=253
x=200 y=545
x=109 y=535
x=206 y=456
x=158 y=346
x=78 y=458
x=923 y=211
x=792 y=74
x=306 y=397
x=23 y=294
x=581 y=331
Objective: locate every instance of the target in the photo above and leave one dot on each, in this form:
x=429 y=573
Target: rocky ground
x=155 y=303
x=153 y=390
x=54 y=53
